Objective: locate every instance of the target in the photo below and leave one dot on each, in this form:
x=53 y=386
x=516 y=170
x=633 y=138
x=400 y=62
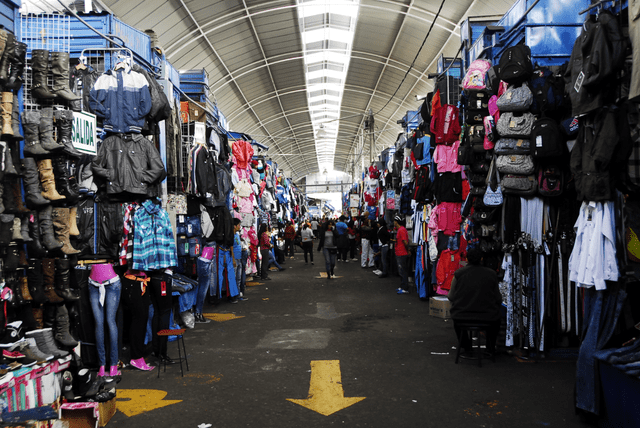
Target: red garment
x=448 y=264
x=243 y=152
x=289 y=232
x=402 y=235
x=265 y=241
x=435 y=102
x=446 y=217
x=446 y=125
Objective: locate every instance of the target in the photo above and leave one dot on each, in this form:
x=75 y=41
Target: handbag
x=523 y=185
x=516 y=99
x=465 y=153
x=515 y=164
x=512 y=146
x=515 y=125
x=492 y=197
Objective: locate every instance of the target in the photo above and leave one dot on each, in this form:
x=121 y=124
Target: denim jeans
x=403 y=270
x=272 y=259
x=329 y=259
x=161 y=288
x=241 y=271
x=111 y=302
x=384 y=257
x=421 y=273
x=225 y=260
x=206 y=281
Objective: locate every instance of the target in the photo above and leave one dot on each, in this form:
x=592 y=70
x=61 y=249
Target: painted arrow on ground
x=133 y=402
x=326 y=312
x=326 y=395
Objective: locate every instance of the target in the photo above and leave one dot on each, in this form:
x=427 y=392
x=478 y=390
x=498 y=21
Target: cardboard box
x=184 y=111
x=88 y=415
x=440 y=306
x=197 y=112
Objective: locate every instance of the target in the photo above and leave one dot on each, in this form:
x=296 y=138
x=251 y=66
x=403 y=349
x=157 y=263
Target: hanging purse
x=493 y=197
x=515 y=164
x=523 y=185
x=511 y=146
x=515 y=125
x=516 y=99
x=465 y=151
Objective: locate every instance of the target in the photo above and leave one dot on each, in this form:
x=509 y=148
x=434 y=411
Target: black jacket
x=81 y=81
x=160 y=108
x=475 y=294
x=321 y=233
x=383 y=235
x=129 y=163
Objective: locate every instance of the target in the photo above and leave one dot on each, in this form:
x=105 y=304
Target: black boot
x=46 y=229
x=60 y=71
x=31 y=180
x=18 y=60
x=6 y=223
x=64 y=125
x=15 y=122
x=35 y=281
x=45 y=127
x=66 y=185
x=30 y=124
x=40 y=69
x=34 y=247
x=62 y=280
x=61 y=329
x=6 y=59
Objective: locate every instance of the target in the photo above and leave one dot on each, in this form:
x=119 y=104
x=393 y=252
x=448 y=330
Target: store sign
x=84 y=134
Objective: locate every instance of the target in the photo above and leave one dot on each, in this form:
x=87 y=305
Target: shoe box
x=88 y=415
x=440 y=306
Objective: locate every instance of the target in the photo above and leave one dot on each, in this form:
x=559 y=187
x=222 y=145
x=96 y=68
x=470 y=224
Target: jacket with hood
x=129 y=163
x=122 y=99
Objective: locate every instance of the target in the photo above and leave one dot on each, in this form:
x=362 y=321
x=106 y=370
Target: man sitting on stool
x=475 y=298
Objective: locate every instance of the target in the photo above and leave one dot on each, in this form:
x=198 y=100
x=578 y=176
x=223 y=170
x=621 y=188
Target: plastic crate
x=8 y=14
x=194 y=76
x=167 y=71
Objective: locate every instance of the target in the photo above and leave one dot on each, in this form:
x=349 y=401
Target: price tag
x=163 y=288
x=453 y=258
x=519 y=143
x=539 y=141
x=579 y=81
x=508 y=95
x=512 y=124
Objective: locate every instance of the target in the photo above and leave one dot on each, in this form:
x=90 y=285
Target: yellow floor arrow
x=326 y=395
x=222 y=317
x=141 y=400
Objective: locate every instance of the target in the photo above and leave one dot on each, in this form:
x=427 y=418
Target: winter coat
x=446 y=125
x=122 y=99
x=129 y=163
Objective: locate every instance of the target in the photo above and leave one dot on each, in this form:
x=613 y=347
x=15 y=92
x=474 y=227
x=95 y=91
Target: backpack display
x=512 y=146
x=477 y=106
x=465 y=153
x=515 y=64
x=517 y=98
x=491 y=80
x=515 y=164
x=475 y=77
x=550 y=180
x=547 y=90
x=515 y=125
x=546 y=138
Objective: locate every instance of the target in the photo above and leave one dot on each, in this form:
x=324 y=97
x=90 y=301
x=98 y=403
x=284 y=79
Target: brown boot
x=38 y=316
x=6 y=107
x=24 y=288
x=73 y=225
x=48 y=275
x=48 y=180
x=61 y=228
x=17 y=196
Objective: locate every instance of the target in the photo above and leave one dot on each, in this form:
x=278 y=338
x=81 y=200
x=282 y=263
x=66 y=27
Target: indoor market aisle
x=313 y=352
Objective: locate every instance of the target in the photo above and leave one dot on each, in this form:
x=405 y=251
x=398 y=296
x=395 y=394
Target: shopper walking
x=307 y=242
x=328 y=238
x=289 y=236
x=383 y=241
x=314 y=226
x=239 y=259
x=343 y=239
x=365 y=238
x=353 y=242
x=402 y=254
x=265 y=250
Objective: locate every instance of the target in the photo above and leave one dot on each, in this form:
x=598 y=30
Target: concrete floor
x=366 y=356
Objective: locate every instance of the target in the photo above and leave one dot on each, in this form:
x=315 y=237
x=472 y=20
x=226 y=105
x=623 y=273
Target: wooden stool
x=473 y=330
x=179 y=338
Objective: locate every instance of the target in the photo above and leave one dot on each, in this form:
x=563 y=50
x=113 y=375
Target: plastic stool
x=179 y=333
x=473 y=329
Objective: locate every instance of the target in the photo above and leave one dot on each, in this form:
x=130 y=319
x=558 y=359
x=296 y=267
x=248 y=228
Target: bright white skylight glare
x=327 y=28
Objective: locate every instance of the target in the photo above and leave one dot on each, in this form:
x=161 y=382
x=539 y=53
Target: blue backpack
x=548 y=91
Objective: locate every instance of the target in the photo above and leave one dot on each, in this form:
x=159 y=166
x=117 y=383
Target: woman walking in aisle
x=265 y=249
x=307 y=242
x=328 y=238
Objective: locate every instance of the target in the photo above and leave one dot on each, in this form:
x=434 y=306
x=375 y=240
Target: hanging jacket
x=445 y=124
x=448 y=264
x=160 y=108
x=129 y=163
x=153 y=244
x=81 y=80
x=243 y=152
x=122 y=99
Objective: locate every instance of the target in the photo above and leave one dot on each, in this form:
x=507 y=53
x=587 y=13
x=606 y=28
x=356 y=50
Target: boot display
x=31 y=350
x=64 y=126
x=6 y=58
x=9 y=167
x=12 y=258
x=66 y=184
x=39 y=71
x=16 y=234
x=38 y=315
x=47 y=178
x=48 y=278
x=34 y=246
x=45 y=128
x=46 y=230
x=6 y=223
x=6 y=109
x=24 y=289
x=61 y=228
x=15 y=122
x=44 y=341
x=18 y=60
x=3 y=40
x=7 y=196
x=16 y=192
x=73 y=225
x=34 y=196
x=24 y=230
x=36 y=284
x=30 y=124
x=60 y=71
x=62 y=334
x=62 y=281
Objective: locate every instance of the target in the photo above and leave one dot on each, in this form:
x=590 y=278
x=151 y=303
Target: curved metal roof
x=254 y=53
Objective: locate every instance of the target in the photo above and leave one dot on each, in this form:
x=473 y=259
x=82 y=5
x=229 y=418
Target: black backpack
x=547 y=89
x=546 y=140
x=477 y=105
x=492 y=81
x=515 y=64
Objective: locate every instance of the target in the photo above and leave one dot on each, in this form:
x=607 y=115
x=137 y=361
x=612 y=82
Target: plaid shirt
x=126 y=243
x=153 y=243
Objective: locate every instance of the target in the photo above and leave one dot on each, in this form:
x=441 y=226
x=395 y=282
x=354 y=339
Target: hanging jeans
x=161 y=289
x=106 y=312
x=308 y=249
x=264 y=263
x=421 y=273
x=403 y=270
x=367 y=254
x=206 y=280
x=225 y=270
x=137 y=304
x=330 y=259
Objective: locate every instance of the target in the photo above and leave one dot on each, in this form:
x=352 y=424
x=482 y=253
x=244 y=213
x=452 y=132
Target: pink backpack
x=474 y=79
